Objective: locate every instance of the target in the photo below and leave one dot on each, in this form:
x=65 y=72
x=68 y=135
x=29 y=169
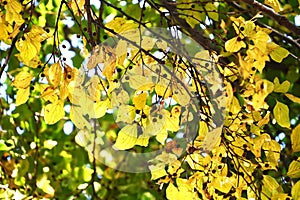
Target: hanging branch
x=282 y=20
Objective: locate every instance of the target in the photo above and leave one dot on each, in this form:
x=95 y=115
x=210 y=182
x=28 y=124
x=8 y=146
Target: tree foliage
x=199 y=98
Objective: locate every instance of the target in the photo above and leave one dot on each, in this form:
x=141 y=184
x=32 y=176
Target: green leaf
x=212 y=11
x=283 y=87
x=279 y=54
x=281 y=114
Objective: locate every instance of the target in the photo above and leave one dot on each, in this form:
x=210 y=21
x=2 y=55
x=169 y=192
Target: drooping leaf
x=22 y=79
x=55 y=74
x=281 y=114
x=274 y=4
x=278 y=53
x=293 y=98
x=295 y=138
x=294 y=169
x=127 y=137
x=54 y=112
x=295 y=191
x=22 y=95
x=283 y=87
x=234 y=44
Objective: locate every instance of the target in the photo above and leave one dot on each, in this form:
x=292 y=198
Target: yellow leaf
x=279 y=53
x=127 y=137
x=120 y=25
x=157 y=124
x=203 y=129
x=293 y=98
x=55 y=74
x=296 y=187
x=13 y=9
x=264 y=121
x=222 y=183
x=143 y=140
x=212 y=138
x=44 y=184
x=295 y=138
x=260 y=40
x=22 y=80
x=234 y=44
x=4 y=30
x=38 y=33
x=270 y=186
x=28 y=49
x=157 y=171
x=126 y=113
x=172 y=122
x=281 y=114
x=77 y=6
x=99 y=109
x=294 y=169
x=283 y=87
x=48 y=93
x=22 y=96
x=172 y=192
x=274 y=4
x=181 y=95
x=162 y=135
x=139 y=100
x=76 y=116
x=162 y=90
x=54 y=112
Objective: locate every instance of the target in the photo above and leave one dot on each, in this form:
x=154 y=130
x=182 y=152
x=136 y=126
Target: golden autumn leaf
x=127 y=137
x=234 y=44
x=295 y=138
x=54 y=112
x=223 y=183
x=157 y=171
x=294 y=169
x=270 y=186
x=13 y=9
x=55 y=74
x=99 y=109
x=293 y=98
x=139 y=100
x=281 y=114
x=22 y=95
x=28 y=49
x=120 y=25
x=173 y=120
x=76 y=116
x=77 y=6
x=4 y=30
x=22 y=79
x=295 y=190
x=48 y=93
x=274 y=4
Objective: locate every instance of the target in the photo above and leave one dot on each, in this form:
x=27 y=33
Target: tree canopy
x=150 y=99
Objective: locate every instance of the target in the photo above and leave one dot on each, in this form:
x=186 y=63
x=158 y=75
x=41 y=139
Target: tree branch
x=282 y=20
